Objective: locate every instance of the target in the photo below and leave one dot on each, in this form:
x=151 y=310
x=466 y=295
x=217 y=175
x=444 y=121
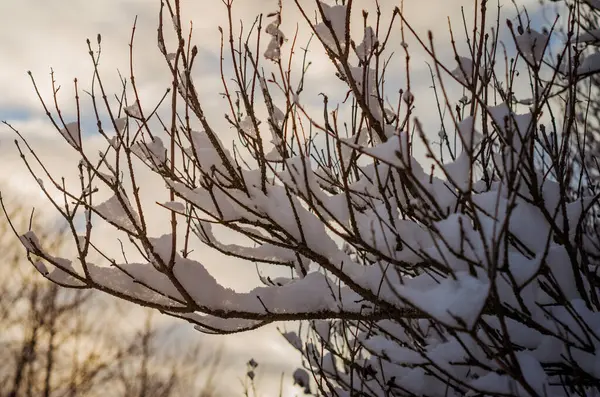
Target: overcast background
x=38 y=35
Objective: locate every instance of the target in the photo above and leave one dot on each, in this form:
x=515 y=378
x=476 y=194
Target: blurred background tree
x=53 y=344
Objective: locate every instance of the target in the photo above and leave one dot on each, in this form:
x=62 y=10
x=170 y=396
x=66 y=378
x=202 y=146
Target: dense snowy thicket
x=474 y=275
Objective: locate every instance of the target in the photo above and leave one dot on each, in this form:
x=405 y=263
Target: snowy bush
x=476 y=274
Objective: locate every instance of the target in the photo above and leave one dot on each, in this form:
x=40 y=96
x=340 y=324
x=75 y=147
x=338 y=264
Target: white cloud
x=38 y=36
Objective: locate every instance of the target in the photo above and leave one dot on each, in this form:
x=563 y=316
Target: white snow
x=72 y=134
x=590 y=64
x=118 y=211
x=465 y=70
x=273 y=51
x=366 y=47
x=532 y=45
x=336 y=16
x=134 y=111
x=459 y=171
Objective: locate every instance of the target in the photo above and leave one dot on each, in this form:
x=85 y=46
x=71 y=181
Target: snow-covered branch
x=475 y=274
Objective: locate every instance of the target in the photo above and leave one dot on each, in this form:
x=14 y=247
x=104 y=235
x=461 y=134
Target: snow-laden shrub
x=474 y=275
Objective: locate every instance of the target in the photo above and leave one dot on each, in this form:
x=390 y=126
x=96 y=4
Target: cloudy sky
x=39 y=35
